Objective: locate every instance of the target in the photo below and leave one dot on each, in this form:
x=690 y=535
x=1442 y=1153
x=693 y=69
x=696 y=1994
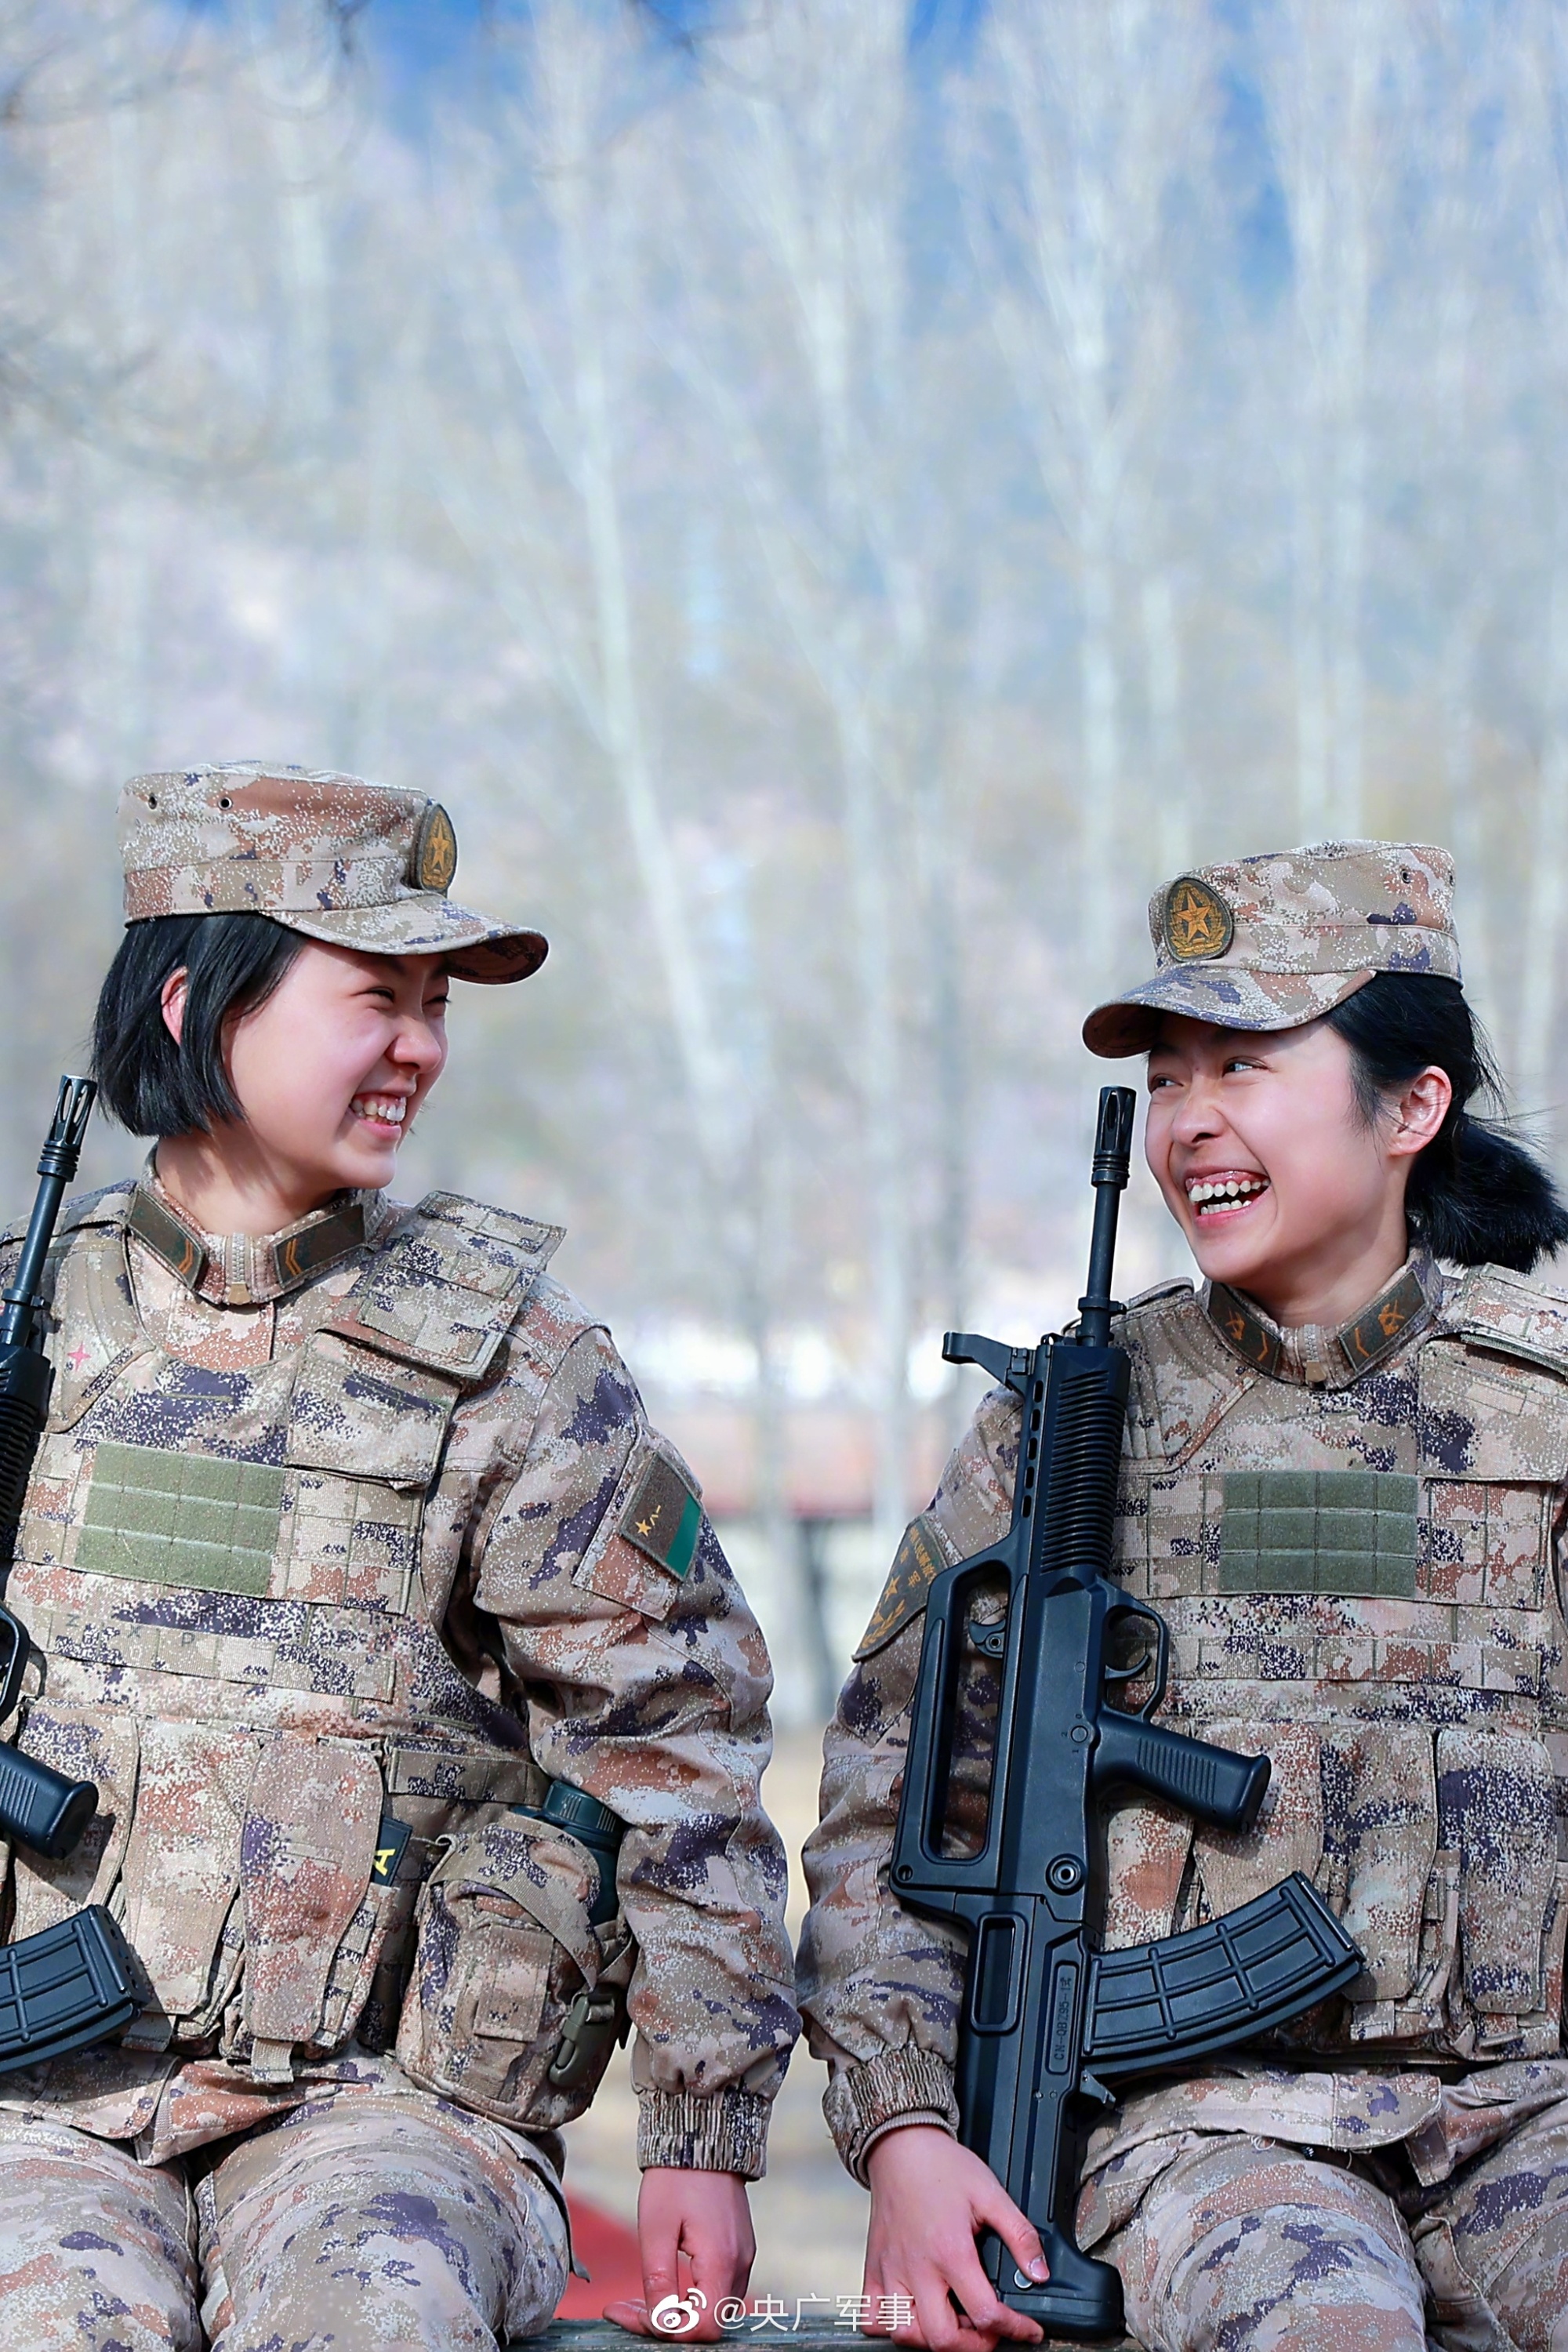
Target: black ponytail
x=1476 y=1196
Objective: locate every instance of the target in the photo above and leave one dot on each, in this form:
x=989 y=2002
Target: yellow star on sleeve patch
x=664 y=1517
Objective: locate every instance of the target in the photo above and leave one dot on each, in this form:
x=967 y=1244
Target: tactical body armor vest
x=237 y=1582
x=1352 y=1536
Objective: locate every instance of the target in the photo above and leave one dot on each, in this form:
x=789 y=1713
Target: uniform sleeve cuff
x=897 y=2086
x=714 y=2131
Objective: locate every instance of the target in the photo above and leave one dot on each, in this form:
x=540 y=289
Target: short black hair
x=233 y=963
x=1475 y=1195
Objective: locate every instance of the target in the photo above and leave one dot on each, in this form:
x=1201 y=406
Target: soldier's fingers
x=935 y=2321
x=986 y=2312
x=660 y=2277
x=632 y=2316
x=1016 y=2231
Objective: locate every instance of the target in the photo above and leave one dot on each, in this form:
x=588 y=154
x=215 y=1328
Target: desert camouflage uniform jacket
x=1353 y=1538
x=338 y=1543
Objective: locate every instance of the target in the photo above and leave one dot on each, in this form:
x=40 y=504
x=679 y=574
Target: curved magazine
x=66 y=1987
x=1158 y=2005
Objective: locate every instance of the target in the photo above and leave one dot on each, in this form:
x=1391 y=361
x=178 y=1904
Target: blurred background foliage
x=841 y=499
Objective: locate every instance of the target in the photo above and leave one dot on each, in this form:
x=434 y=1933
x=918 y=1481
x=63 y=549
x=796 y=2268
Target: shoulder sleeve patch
x=921 y=1555
x=664 y=1517
x=645 y=1545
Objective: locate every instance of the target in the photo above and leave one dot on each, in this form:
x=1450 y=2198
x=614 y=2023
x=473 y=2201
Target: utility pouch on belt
x=518 y=1994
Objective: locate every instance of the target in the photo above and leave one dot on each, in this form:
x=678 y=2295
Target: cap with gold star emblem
x=355 y=864
x=1274 y=940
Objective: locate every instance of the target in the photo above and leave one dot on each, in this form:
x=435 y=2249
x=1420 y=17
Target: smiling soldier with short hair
x=426 y=1716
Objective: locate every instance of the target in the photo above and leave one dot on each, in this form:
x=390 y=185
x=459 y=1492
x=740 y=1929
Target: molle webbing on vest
x=464 y=1779
x=166 y=1518
x=1350 y=1531
x=296 y=1646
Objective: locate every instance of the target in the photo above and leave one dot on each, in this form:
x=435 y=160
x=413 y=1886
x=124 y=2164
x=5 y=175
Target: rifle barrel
x=1112 y=1166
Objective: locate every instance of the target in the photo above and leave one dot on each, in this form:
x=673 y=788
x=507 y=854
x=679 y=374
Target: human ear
x=171 y=997
x=1420 y=1111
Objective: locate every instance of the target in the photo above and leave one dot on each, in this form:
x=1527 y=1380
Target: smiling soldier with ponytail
x=1476 y=1196
x=1345 y=1486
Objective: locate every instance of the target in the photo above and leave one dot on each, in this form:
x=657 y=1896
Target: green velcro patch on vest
x=1350 y=1531
x=664 y=1518
x=180 y=1519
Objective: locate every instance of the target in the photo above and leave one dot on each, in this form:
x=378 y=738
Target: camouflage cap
x=1275 y=940
x=355 y=864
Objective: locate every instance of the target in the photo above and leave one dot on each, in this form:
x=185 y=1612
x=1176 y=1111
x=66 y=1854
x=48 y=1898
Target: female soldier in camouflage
x=1344 y=1485
x=348 y=1538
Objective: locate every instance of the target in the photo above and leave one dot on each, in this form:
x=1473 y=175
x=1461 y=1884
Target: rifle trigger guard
x=991 y=1641
x=1123 y=1675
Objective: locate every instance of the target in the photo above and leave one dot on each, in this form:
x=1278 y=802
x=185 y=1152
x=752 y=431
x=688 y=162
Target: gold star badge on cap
x=436 y=850
x=1197 y=922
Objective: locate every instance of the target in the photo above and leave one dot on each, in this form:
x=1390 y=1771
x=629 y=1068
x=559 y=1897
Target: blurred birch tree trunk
x=1070 y=132
x=1323 y=67
x=806 y=152
x=1466 y=85
x=546 y=222
x=1541 y=98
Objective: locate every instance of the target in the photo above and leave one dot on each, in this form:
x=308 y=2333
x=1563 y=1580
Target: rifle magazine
x=64 y=1988
x=1157 y=2006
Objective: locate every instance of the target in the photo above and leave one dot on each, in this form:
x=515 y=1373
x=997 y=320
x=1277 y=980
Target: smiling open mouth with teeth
x=390 y=1110
x=1210 y=1195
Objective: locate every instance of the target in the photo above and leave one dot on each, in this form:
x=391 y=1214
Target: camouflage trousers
x=358 y=2224
x=1244 y=2244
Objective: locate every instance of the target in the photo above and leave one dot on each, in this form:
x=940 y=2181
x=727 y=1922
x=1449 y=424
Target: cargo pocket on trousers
x=516 y=2001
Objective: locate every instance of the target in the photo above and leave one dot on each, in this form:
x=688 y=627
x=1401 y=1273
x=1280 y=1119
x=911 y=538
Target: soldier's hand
x=929 y=2198
x=694 y=2234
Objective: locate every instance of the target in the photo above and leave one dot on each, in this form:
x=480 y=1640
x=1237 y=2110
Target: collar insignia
x=246 y=1270
x=1324 y=1359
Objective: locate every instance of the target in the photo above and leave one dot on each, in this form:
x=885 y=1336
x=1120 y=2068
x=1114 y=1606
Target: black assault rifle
x=1050 y=2022
x=72 y=1984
